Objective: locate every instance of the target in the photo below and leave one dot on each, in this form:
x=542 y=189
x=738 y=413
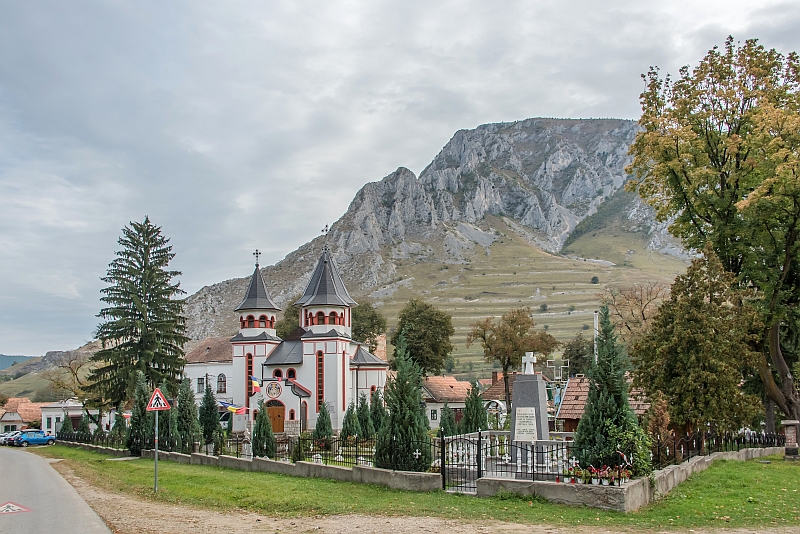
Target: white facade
x=53 y=416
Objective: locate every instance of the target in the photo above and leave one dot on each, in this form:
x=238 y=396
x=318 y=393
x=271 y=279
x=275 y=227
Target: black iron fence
x=102 y=439
x=677 y=448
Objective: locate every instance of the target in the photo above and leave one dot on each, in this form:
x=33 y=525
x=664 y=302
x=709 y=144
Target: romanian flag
x=238 y=410
x=256 y=387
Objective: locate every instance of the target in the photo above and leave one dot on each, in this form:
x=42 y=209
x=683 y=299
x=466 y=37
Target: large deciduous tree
x=143 y=326
x=718 y=155
x=508 y=339
x=427 y=332
x=697 y=350
x=632 y=307
x=368 y=324
x=291 y=318
x=579 y=351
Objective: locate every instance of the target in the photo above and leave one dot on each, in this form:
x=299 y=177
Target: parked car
x=6 y=438
x=33 y=437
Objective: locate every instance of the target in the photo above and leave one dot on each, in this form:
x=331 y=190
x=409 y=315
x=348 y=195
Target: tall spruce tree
x=377 y=411
x=66 y=425
x=209 y=415
x=188 y=425
x=401 y=442
x=119 y=429
x=474 y=411
x=323 y=430
x=448 y=423
x=143 y=328
x=83 y=426
x=351 y=427
x=264 y=443
x=608 y=423
x=364 y=419
x=141 y=429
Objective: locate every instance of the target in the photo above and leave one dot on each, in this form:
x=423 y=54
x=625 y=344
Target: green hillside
x=7 y=361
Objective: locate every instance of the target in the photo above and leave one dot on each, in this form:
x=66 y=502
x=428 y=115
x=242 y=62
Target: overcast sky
x=237 y=125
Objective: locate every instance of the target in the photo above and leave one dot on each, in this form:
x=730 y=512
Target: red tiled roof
x=497 y=391
x=211 y=349
x=574 y=402
x=27 y=410
x=446 y=389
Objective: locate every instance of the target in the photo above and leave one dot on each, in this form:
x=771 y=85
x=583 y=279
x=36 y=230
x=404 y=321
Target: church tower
x=326 y=302
x=257 y=312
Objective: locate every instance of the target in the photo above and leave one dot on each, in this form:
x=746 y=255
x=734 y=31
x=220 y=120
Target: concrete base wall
x=402 y=480
x=271 y=466
x=202 y=459
x=333 y=472
x=119 y=453
x=626 y=498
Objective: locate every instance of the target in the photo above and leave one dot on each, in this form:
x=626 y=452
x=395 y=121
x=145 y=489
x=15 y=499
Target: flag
x=238 y=410
x=256 y=387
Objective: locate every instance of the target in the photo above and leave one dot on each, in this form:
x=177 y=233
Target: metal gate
x=461 y=462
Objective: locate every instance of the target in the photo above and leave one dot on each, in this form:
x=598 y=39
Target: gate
x=461 y=462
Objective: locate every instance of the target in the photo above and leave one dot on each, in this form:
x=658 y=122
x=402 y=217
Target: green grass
x=729 y=494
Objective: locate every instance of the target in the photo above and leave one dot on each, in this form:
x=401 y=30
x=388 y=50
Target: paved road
x=28 y=480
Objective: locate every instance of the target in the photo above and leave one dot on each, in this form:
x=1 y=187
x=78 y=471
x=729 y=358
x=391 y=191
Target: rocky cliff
x=541 y=176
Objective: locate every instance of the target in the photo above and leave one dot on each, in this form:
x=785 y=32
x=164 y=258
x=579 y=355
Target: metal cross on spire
x=325 y=230
x=257 y=253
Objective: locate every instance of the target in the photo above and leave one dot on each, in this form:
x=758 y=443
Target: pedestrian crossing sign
x=12 y=508
x=157 y=402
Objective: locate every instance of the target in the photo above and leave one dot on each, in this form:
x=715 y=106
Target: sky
x=240 y=125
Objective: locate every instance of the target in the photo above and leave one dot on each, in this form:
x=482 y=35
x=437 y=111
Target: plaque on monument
x=525 y=427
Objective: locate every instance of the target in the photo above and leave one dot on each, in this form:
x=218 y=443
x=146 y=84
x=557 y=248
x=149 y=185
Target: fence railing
x=677 y=448
x=101 y=439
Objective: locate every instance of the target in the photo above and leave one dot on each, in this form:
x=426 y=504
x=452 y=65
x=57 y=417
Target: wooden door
x=277 y=413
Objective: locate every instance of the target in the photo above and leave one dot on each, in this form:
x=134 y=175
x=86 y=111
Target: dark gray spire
x=326 y=287
x=257 y=296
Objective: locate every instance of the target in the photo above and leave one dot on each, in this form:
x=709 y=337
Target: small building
x=438 y=390
x=53 y=415
x=574 y=403
x=20 y=413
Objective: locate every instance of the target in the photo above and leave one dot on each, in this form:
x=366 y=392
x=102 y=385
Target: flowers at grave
x=594 y=474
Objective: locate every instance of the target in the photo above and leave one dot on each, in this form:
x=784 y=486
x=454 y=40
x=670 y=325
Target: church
x=318 y=363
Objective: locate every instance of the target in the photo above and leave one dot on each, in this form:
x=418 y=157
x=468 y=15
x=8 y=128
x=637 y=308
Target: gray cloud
x=249 y=124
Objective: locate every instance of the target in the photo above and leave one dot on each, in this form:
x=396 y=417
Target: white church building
x=319 y=362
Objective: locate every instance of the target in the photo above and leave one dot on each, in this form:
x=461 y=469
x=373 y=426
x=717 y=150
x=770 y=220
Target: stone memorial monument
x=790 y=427
x=529 y=412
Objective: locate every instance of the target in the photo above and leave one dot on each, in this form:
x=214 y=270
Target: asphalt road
x=28 y=481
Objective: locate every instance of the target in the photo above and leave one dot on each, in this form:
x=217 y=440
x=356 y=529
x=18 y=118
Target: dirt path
x=125 y=514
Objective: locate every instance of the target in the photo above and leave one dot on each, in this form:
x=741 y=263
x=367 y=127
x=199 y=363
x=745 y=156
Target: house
x=318 y=363
x=19 y=413
x=438 y=390
x=574 y=403
x=53 y=415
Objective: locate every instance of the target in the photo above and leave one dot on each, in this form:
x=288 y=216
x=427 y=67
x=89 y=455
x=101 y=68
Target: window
x=201 y=385
x=222 y=384
x=434 y=414
x=249 y=373
x=291 y=415
x=334 y=319
x=320 y=379
x=320 y=318
x=49 y=423
x=251 y=321
x=277 y=373
x=262 y=321
x=291 y=373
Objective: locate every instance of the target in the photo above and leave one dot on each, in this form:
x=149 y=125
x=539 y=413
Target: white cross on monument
x=527 y=363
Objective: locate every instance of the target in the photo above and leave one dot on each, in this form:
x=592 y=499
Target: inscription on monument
x=525 y=423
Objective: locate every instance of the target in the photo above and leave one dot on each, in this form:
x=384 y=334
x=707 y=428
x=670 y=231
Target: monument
x=790 y=428
x=529 y=403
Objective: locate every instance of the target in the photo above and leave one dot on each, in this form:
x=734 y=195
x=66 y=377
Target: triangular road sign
x=157 y=402
x=12 y=508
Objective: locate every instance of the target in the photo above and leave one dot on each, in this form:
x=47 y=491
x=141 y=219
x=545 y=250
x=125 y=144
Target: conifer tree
x=229 y=426
x=66 y=425
x=364 y=419
x=209 y=414
x=474 y=412
x=264 y=443
x=188 y=426
x=377 y=411
x=323 y=430
x=608 y=423
x=119 y=429
x=141 y=429
x=83 y=426
x=143 y=329
x=351 y=427
x=404 y=431
x=448 y=421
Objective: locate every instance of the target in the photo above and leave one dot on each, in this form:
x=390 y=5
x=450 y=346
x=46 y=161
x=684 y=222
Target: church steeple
x=257 y=310
x=326 y=302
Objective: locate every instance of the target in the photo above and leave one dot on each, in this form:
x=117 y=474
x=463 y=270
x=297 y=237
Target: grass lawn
x=729 y=494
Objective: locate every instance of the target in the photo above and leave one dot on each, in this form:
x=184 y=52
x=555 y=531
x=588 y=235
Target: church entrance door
x=277 y=414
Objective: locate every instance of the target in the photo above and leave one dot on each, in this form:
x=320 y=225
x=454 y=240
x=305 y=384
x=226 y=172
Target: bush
x=595 y=280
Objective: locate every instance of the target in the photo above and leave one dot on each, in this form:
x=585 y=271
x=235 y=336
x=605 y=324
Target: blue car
x=33 y=437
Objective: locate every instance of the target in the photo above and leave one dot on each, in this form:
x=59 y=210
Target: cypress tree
x=209 y=414
x=377 y=411
x=143 y=329
x=448 y=421
x=351 y=427
x=141 y=429
x=364 y=419
x=323 y=430
x=229 y=426
x=474 y=412
x=188 y=426
x=83 y=426
x=264 y=443
x=119 y=428
x=66 y=425
x=404 y=431
x=608 y=422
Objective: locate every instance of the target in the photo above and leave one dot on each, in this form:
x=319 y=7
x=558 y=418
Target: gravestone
x=529 y=410
x=790 y=448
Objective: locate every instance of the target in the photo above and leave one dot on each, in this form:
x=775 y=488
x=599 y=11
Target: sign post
x=157 y=403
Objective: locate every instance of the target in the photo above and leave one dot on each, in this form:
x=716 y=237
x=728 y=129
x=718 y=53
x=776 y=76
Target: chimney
x=494 y=377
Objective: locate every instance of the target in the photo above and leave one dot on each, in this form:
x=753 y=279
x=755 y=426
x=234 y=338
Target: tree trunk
x=784 y=394
x=508 y=392
x=769 y=419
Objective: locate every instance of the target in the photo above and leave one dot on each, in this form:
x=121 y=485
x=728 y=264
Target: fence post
x=480 y=454
x=442 y=458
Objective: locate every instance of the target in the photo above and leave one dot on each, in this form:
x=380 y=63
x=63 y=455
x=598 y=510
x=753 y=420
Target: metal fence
x=678 y=448
x=103 y=439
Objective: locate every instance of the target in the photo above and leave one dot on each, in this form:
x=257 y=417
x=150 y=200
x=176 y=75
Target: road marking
x=12 y=508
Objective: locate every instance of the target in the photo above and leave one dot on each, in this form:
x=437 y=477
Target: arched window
x=251 y=321
x=277 y=373
x=291 y=415
x=248 y=374
x=291 y=373
x=222 y=384
x=320 y=318
x=262 y=321
x=372 y=389
x=334 y=319
x=241 y=322
x=271 y=322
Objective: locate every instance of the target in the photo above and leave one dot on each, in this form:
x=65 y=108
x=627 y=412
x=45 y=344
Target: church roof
x=288 y=352
x=257 y=296
x=326 y=287
x=263 y=336
x=330 y=333
x=211 y=349
x=364 y=357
